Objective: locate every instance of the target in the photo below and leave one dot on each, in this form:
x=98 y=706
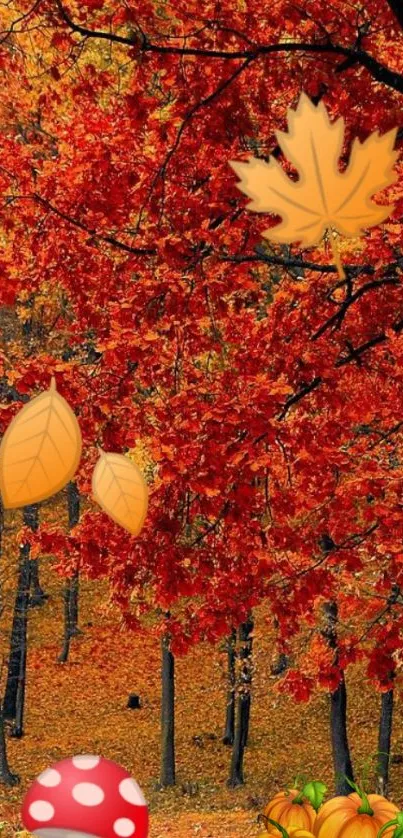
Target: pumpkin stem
x=365 y=808
x=314 y=792
x=278 y=826
x=398 y=822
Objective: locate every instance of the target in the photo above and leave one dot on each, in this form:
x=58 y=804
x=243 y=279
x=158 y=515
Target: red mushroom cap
x=88 y=795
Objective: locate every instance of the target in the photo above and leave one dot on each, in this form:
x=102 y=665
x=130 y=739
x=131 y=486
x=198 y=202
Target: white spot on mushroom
x=131 y=793
x=86 y=762
x=88 y=794
x=41 y=810
x=50 y=778
x=124 y=827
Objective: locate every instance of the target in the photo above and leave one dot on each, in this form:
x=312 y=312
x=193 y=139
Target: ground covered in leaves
x=81 y=707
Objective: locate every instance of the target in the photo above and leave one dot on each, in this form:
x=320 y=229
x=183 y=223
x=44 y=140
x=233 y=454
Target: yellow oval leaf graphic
x=119 y=488
x=40 y=450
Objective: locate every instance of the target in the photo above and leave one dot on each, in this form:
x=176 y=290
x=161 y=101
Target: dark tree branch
x=337 y=318
x=353 y=355
x=384 y=437
x=356 y=353
x=397 y=8
x=160 y=173
x=202 y=104
x=377 y=70
x=92 y=33
x=269 y=259
x=307 y=388
x=11 y=28
x=212 y=527
x=138 y=251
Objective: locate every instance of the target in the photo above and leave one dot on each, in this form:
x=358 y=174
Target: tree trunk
x=73 y=604
x=168 y=715
x=228 y=738
x=17 y=658
x=73 y=502
x=384 y=740
x=31 y=516
x=282 y=663
x=247 y=629
x=6 y=775
x=38 y=596
x=71 y=588
x=64 y=654
x=13 y=705
x=338 y=710
x=18 y=729
x=243 y=703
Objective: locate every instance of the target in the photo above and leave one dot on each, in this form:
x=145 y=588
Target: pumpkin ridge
x=341 y=818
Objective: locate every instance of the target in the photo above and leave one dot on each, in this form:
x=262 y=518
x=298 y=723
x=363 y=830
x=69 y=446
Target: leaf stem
x=336 y=254
x=398 y=822
x=278 y=826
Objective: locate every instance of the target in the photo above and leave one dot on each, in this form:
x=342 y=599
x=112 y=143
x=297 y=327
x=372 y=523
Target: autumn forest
x=252 y=632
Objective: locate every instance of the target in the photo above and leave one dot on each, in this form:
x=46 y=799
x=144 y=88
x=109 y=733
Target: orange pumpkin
x=358 y=815
x=290 y=832
x=288 y=811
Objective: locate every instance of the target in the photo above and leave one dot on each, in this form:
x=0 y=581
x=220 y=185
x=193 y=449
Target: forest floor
x=80 y=707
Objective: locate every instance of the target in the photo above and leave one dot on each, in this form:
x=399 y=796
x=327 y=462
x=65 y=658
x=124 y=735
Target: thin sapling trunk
x=229 y=732
x=243 y=704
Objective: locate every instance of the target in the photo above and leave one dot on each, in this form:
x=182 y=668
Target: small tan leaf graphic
x=323 y=198
x=40 y=450
x=119 y=488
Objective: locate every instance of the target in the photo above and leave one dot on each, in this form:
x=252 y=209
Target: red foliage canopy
x=266 y=392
